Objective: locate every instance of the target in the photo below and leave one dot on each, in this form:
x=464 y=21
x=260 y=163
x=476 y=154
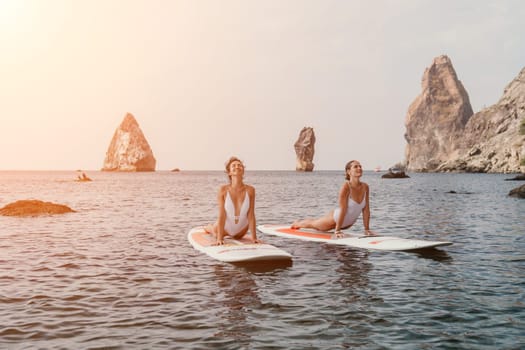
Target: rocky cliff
x=444 y=135
x=305 y=149
x=492 y=140
x=129 y=150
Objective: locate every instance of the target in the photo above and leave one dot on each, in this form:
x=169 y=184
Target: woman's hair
x=348 y=166
x=229 y=162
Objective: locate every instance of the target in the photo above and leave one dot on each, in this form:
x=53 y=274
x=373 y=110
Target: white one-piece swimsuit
x=352 y=212
x=231 y=226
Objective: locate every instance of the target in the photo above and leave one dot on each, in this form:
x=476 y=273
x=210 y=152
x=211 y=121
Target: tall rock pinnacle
x=304 y=149
x=443 y=134
x=129 y=150
x=436 y=119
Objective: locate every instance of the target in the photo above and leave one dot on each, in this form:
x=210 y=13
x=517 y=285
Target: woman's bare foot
x=296 y=225
x=208 y=229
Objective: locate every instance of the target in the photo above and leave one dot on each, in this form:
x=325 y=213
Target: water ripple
x=120 y=274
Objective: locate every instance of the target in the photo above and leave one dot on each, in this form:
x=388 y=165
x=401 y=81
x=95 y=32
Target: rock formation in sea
x=444 y=135
x=129 y=150
x=518 y=192
x=395 y=175
x=520 y=177
x=33 y=207
x=305 y=149
x=436 y=118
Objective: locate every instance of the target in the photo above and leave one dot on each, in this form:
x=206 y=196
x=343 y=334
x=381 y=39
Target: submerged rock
x=518 y=192
x=129 y=150
x=305 y=149
x=520 y=177
x=34 y=207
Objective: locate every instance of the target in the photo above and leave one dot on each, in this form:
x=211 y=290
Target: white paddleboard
x=235 y=250
x=352 y=240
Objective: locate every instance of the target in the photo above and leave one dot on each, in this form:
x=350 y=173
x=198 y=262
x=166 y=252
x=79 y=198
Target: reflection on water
x=238 y=292
x=436 y=254
x=120 y=273
x=353 y=269
x=353 y=277
x=265 y=266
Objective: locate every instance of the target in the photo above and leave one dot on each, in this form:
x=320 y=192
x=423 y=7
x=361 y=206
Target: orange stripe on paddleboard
x=243 y=248
x=381 y=241
x=204 y=239
x=296 y=232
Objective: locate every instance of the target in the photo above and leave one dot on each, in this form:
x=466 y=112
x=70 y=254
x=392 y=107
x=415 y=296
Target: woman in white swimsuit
x=236 y=206
x=353 y=200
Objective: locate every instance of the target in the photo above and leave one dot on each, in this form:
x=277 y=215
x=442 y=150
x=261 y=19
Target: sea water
x=119 y=273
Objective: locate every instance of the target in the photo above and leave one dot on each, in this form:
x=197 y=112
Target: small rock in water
x=517 y=178
x=34 y=208
x=518 y=192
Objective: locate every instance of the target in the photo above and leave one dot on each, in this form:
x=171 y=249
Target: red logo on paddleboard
x=375 y=242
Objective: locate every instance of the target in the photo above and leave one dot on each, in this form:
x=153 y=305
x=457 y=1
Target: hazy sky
x=210 y=79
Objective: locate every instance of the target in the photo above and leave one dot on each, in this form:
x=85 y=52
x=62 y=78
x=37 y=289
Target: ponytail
x=348 y=166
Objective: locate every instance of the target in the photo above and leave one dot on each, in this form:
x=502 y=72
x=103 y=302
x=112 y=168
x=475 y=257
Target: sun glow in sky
x=10 y=12
x=209 y=79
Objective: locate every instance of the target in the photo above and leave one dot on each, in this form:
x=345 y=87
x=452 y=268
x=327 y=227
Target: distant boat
x=377 y=169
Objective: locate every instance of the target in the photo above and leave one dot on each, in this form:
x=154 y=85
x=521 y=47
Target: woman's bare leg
x=325 y=223
x=241 y=234
x=211 y=229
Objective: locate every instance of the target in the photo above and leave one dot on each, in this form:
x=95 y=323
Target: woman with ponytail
x=353 y=200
